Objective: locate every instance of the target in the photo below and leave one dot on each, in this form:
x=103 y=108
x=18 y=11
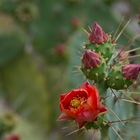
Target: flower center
x=75 y=103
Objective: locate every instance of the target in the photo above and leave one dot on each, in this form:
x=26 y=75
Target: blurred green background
x=40 y=49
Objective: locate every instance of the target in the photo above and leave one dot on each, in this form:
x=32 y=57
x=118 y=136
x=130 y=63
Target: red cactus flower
x=82 y=105
x=131 y=71
x=12 y=137
x=97 y=34
x=90 y=59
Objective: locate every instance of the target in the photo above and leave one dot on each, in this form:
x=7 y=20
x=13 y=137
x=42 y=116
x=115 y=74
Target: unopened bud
x=97 y=35
x=90 y=59
x=131 y=71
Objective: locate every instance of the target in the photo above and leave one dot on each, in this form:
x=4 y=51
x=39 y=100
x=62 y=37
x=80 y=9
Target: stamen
x=75 y=103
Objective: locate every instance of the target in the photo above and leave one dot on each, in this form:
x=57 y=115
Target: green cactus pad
x=106 y=49
x=97 y=74
x=116 y=80
x=97 y=124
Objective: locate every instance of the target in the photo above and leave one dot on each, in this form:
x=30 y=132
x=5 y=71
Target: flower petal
x=102 y=108
x=93 y=95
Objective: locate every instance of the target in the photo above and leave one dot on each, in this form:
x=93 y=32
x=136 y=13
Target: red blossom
x=90 y=59
x=82 y=105
x=97 y=34
x=131 y=71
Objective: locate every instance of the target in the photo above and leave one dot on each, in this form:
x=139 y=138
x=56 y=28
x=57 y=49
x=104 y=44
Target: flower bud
x=131 y=71
x=90 y=59
x=97 y=35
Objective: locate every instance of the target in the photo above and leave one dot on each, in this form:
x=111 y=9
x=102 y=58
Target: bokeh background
x=40 y=48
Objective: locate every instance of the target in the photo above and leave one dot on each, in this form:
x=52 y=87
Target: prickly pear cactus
x=115 y=78
x=110 y=68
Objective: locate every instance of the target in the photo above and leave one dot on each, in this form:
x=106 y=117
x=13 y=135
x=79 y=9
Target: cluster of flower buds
x=100 y=65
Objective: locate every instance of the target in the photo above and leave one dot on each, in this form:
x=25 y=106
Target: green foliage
x=28 y=131
x=25 y=88
x=12 y=40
